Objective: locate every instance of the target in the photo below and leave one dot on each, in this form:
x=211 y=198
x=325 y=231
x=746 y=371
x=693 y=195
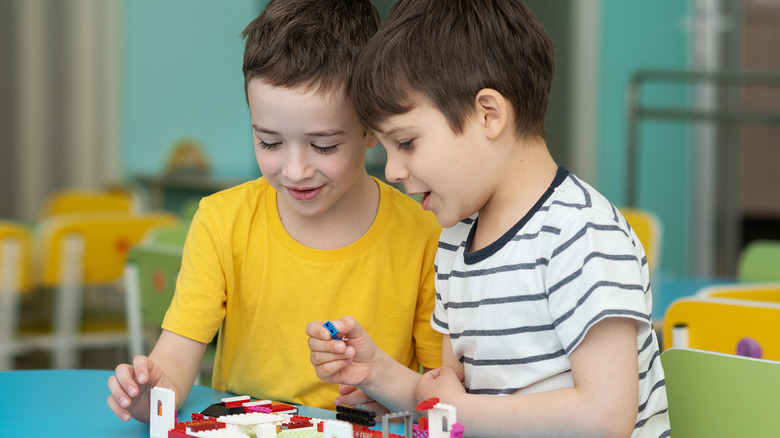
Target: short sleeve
x=198 y=305
x=594 y=272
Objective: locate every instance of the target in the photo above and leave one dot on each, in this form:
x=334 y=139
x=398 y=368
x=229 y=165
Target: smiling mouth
x=425 y=199
x=304 y=194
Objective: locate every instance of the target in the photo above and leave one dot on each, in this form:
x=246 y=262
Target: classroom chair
x=80 y=250
x=760 y=292
x=759 y=261
x=79 y=201
x=648 y=228
x=714 y=320
x=14 y=280
x=717 y=395
x=150 y=281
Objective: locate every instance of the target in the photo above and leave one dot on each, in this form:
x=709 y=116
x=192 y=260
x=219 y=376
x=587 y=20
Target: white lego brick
x=162 y=412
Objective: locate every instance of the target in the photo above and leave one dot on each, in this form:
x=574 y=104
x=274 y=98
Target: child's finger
x=349 y=327
x=317 y=330
x=354 y=396
x=432 y=374
x=124 y=379
x=118 y=400
x=319 y=357
x=328 y=370
x=120 y=412
x=142 y=367
x=347 y=389
x=317 y=345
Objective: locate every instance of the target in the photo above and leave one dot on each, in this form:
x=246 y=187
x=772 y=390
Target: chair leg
x=133 y=309
x=9 y=307
x=10 y=254
x=69 y=302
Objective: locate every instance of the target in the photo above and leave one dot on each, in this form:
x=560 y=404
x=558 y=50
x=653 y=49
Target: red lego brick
x=236 y=402
x=296 y=425
x=428 y=404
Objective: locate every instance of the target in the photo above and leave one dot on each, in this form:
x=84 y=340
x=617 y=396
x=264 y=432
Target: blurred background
x=670 y=106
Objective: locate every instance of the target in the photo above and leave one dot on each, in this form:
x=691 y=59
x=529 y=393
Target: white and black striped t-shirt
x=517 y=308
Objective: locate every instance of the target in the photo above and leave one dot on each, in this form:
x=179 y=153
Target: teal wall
x=181 y=78
x=637 y=34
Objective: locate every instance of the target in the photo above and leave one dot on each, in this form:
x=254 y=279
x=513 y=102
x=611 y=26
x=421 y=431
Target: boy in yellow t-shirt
x=315 y=237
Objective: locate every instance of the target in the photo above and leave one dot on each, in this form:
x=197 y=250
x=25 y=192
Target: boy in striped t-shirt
x=542 y=289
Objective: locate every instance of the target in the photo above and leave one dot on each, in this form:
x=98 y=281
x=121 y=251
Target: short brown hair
x=448 y=51
x=313 y=43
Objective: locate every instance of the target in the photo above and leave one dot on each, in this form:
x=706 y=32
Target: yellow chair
x=78 y=250
x=14 y=279
x=716 y=395
x=761 y=292
x=648 y=228
x=732 y=319
x=80 y=201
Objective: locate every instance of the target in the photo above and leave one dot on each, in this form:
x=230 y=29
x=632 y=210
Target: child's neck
x=527 y=173
x=343 y=223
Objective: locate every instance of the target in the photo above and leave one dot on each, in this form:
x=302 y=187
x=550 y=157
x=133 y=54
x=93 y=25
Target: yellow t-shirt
x=243 y=274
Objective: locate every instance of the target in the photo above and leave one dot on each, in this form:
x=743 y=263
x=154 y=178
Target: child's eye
x=325 y=149
x=266 y=145
x=407 y=145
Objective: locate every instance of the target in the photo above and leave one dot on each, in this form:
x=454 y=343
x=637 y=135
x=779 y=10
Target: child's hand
x=444 y=383
x=348 y=361
x=352 y=395
x=130 y=388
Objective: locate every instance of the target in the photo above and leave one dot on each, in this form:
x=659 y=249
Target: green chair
x=759 y=261
x=150 y=280
x=717 y=395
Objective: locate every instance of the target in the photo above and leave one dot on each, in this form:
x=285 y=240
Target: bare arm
x=602 y=403
x=173 y=364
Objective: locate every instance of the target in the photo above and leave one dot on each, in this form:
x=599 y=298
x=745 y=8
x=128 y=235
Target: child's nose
x=395 y=171
x=298 y=166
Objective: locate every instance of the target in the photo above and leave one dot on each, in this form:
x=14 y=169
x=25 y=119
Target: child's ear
x=492 y=111
x=371 y=138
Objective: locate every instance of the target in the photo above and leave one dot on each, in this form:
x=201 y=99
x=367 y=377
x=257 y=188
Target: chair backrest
x=761 y=292
x=168 y=235
x=78 y=201
x=718 y=395
x=759 y=261
x=188 y=209
x=721 y=325
x=106 y=237
x=14 y=279
x=157 y=269
x=648 y=228
x=14 y=256
x=150 y=282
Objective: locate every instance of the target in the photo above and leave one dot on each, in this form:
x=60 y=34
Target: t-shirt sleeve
x=198 y=305
x=594 y=272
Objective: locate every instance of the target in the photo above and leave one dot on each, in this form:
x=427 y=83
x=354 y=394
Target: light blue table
x=72 y=403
